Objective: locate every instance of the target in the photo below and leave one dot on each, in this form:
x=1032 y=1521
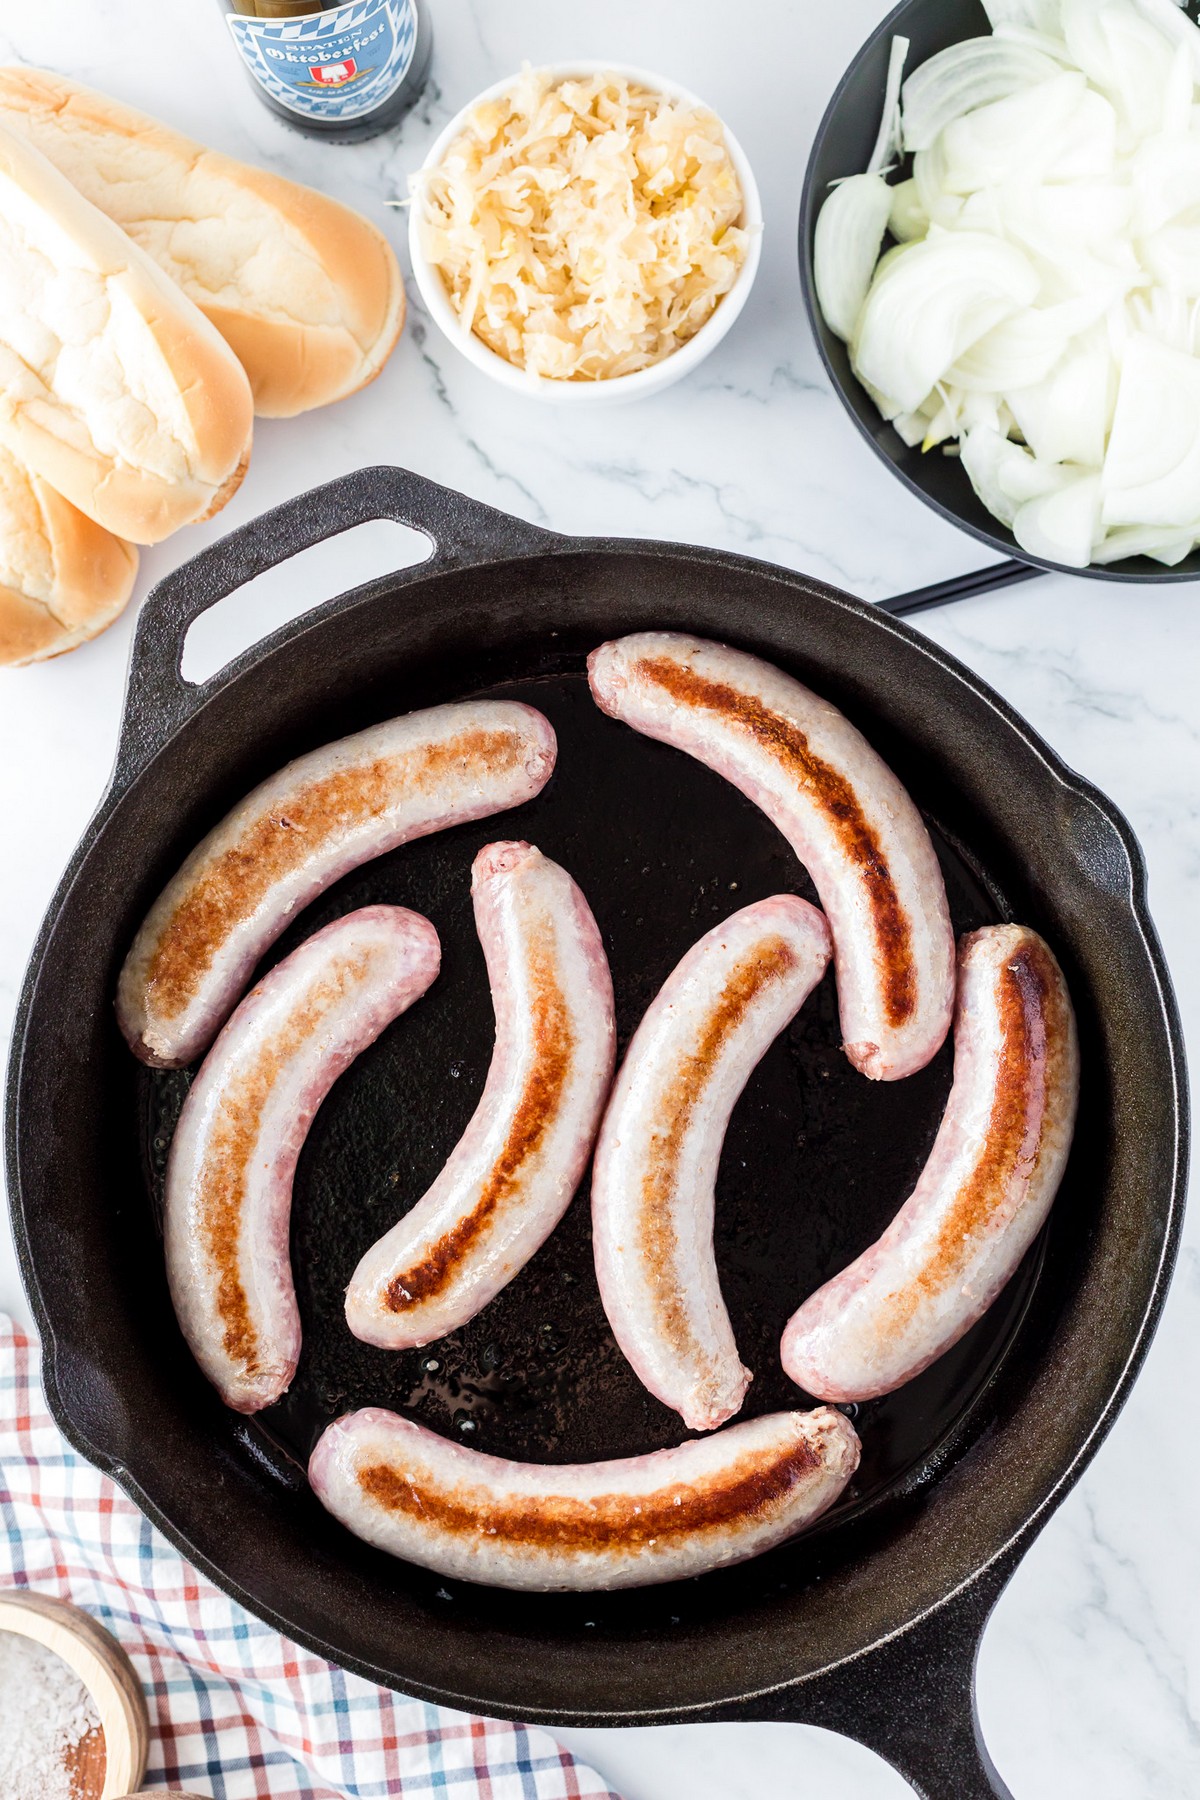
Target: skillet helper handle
x=462 y=531
x=912 y=1699
x=959 y=587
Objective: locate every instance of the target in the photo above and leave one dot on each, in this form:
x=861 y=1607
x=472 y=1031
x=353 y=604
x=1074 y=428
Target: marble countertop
x=1090 y=1672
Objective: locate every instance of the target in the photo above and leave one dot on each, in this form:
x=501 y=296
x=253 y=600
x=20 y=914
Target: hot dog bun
x=306 y=292
x=62 y=578
x=114 y=388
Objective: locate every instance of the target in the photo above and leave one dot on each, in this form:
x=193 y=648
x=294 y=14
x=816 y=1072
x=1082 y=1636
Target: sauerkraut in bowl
x=588 y=232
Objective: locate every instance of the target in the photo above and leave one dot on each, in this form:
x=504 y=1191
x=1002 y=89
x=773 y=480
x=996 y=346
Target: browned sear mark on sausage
x=758 y=1486
x=1033 y=1027
x=554 y=1045
x=769 y=961
x=273 y=846
x=220 y=1197
x=835 y=795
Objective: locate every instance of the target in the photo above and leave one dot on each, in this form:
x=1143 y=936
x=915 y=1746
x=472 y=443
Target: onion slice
x=1038 y=313
x=1059 y=130
x=908 y=219
x=846 y=246
x=968 y=74
x=1123 y=55
x=1004 y=475
x=890 y=137
x=1024 y=348
x=930 y=302
x=1062 y=527
x=1164 y=543
x=1152 y=469
x=1028 y=15
x=853 y=221
x=1067 y=416
x=1175 y=26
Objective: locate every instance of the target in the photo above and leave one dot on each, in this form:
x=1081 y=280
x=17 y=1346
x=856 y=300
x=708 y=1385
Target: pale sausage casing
x=981 y=1198
x=298 y=832
x=845 y=814
x=631 y=1523
x=511 y=1176
x=656 y=1161
x=234 y=1153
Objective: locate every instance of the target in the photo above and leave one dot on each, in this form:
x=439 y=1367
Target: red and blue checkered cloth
x=237 y=1711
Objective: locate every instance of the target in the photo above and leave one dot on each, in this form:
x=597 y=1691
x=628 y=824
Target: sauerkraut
x=584 y=228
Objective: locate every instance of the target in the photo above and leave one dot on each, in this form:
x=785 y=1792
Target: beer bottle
x=342 y=71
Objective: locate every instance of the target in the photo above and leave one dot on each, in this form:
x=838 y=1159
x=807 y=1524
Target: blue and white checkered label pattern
x=331 y=65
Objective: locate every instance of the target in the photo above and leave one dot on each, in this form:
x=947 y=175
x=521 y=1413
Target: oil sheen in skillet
x=816 y=1160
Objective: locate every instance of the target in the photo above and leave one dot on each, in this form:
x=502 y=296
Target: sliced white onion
x=846 y=246
x=1175 y=26
x=1181 y=92
x=1066 y=417
x=1152 y=469
x=889 y=139
x=967 y=75
x=1062 y=527
x=1164 y=544
x=1124 y=55
x=1023 y=349
x=912 y=427
x=889 y=409
x=1004 y=475
x=1162 y=313
x=1037 y=38
x=1045 y=281
x=929 y=173
x=930 y=302
x=908 y=218
x=1173 y=257
x=1030 y=15
x=1057 y=219
x=945 y=421
x=1166 y=181
x=984 y=409
x=1059 y=130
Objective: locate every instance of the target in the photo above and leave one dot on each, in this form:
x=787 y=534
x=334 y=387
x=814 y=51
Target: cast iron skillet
x=842 y=146
x=870 y=1623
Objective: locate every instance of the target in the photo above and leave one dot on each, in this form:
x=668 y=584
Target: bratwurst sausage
x=644 y=1519
x=511 y=1177
x=234 y=1153
x=656 y=1161
x=841 y=809
x=981 y=1198
x=298 y=832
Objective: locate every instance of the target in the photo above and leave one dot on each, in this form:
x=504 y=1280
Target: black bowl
x=842 y=147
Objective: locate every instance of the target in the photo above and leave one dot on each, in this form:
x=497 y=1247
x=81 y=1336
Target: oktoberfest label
x=331 y=65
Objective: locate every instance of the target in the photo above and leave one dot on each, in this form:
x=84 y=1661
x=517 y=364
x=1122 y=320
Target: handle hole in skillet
x=294 y=587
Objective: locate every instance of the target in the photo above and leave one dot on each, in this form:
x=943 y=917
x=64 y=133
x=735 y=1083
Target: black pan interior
x=816 y=1160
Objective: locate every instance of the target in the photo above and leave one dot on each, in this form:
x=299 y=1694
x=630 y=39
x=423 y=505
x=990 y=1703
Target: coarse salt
x=45 y=1712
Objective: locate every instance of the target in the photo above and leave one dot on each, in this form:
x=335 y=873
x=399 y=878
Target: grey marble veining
x=1090 y=1673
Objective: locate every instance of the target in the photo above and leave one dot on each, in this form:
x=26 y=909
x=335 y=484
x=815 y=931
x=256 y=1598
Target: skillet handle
x=462 y=531
x=912 y=1698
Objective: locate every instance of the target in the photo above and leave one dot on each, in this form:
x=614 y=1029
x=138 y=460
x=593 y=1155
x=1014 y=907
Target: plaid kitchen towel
x=237 y=1711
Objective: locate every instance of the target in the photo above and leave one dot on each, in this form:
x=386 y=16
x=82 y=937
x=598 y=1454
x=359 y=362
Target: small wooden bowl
x=110 y=1760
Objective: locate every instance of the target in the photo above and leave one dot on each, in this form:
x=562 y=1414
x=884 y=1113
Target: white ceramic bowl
x=619 y=387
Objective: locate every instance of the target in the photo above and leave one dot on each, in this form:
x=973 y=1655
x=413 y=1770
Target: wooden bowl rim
x=105 y=1671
